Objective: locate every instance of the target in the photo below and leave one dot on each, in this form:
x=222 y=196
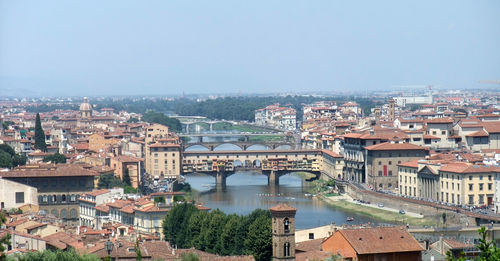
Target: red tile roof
x=440 y=121
x=410 y=164
x=381 y=240
x=282 y=207
x=395 y=146
x=49 y=170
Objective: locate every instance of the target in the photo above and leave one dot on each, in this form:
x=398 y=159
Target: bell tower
x=283 y=218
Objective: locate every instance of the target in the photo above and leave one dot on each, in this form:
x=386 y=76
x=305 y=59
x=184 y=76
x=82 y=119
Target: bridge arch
x=196 y=147
x=258 y=146
x=284 y=147
x=234 y=146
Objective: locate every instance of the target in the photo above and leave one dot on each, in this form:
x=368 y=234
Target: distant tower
x=391 y=110
x=283 y=232
x=377 y=116
x=85 y=109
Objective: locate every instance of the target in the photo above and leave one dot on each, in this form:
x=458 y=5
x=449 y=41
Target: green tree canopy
x=48 y=255
x=9 y=158
x=39 y=135
x=55 y=158
x=158 y=117
x=5 y=240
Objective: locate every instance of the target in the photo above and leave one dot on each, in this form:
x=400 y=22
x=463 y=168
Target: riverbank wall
x=434 y=213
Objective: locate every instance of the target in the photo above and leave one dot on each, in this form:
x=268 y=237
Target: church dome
x=85 y=106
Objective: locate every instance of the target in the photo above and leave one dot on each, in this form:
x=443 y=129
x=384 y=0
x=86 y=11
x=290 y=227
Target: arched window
x=72 y=213
x=63 y=200
x=54 y=212
x=64 y=213
x=286 y=225
x=286 y=249
x=54 y=198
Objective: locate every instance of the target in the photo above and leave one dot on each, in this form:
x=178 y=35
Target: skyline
x=158 y=48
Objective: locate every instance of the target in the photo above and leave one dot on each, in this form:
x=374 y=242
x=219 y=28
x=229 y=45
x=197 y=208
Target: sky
x=120 y=47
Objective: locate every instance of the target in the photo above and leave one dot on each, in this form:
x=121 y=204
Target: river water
x=248 y=190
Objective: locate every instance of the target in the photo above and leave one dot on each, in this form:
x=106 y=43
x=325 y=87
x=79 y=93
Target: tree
x=196 y=224
x=109 y=180
x=158 y=117
x=231 y=237
x=189 y=257
x=176 y=222
x=5 y=160
x=217 y=220
x=55 y=158
x=137 y=250
x=259 y=242
x=126 y=177
x=4 y=241
x=48 y=255
x=39 y=135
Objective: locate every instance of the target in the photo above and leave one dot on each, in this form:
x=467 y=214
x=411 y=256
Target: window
x=471 y=199
x=311 y=235
x=389 y=185
x=63 y=199
x=286 y=225
x=286 y=249
x=481 y=177
x=470 y=177
x=19 y=197
x=471 y=186
x=490 y=185
x=380 y=173
x=481 y=199
x=390 y=162
x=443 y=132
x=390 y=172
x=380 y=163
x=489 y=177
x=481 y=186
x=416 y=139
x=433 y=132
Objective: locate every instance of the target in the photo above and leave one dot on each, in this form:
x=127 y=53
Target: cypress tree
x=39 y=135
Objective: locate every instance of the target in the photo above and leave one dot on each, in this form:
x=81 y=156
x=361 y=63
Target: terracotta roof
x=395 y=146
x=453 y=244
x=427 y=136
x=440 y=120
x=463 y=167
x=49 y=170
x=282 y=207
x=98 y=192
x=491 y=127
x=102 y=208
x=37 y=225
x=380 y=240
x=332 y=154
x=151 y=209
x=410 y=164
x=480 y=133
x=119 y=203
x=128 y=209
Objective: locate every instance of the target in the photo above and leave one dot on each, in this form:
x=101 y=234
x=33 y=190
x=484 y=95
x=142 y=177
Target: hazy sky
x=167 y=47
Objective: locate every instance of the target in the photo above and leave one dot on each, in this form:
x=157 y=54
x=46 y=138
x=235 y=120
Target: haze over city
x=174 y=47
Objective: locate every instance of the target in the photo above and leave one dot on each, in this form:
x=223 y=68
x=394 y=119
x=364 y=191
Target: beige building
x=133 y=165
x=59 y=186
x=440 y=134
x=382 y=162
x=449 y=182
x=332 y=164
x=15 y=195
x=162 y=152
x=99 y=142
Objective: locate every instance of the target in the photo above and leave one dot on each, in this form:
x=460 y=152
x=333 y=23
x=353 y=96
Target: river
x=248 y=190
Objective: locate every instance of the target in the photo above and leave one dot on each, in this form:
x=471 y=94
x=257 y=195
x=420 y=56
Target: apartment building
x=162 y=152
x=354 y=149
x=276 y=117
x=449 y=182
x=382 y=162
x=59 y=186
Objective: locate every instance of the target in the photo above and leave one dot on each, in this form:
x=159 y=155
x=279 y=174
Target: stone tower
x=391 y=110
x=283 y=220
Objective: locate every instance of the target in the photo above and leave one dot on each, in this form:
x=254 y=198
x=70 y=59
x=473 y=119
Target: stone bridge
x=211 y=146
x=272 y=163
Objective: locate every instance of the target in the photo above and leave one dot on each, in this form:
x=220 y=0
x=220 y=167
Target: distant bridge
x=272 y=163
x=211 y=146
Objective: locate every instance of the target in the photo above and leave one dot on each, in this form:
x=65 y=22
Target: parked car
x=401 y=211
x=380 y=205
